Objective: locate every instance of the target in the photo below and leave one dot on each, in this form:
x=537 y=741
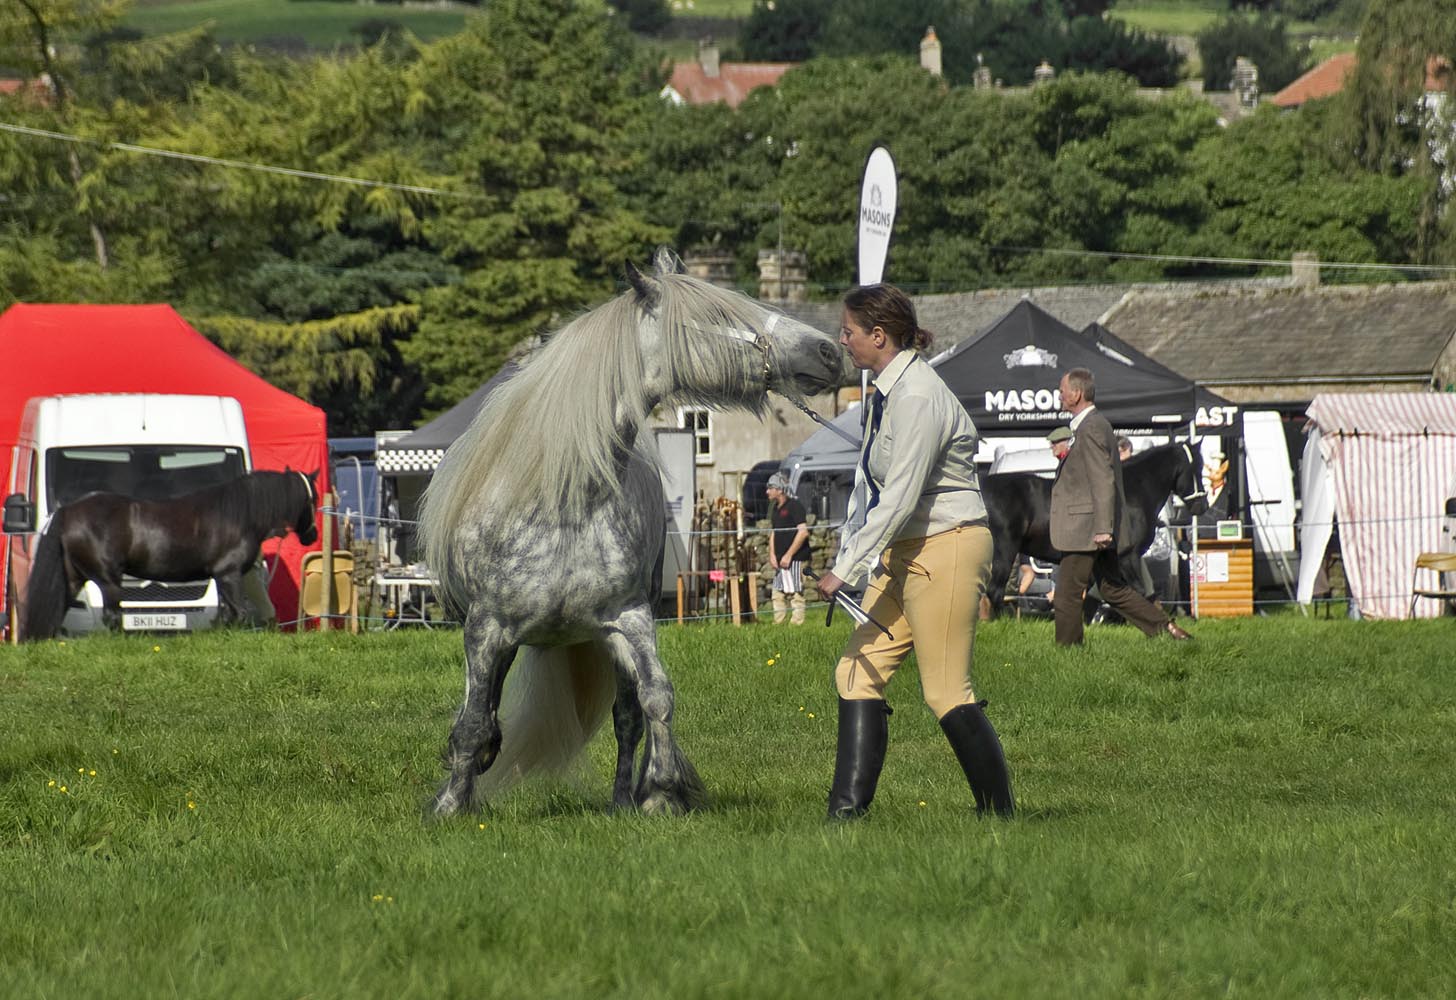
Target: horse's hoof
x=448 y=803
x=662 y=803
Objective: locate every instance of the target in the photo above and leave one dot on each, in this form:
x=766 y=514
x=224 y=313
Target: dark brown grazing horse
x=215 y=532
x=1019 y=504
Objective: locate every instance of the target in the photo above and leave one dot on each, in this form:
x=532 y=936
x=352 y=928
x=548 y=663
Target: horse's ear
x=666 y=261
x=647 y=289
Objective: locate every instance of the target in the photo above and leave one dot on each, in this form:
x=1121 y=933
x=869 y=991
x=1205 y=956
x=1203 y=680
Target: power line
x=440 y=192
x=315 y=175
x=1238 y=261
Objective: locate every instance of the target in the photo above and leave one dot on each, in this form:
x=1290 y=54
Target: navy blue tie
x=877 y=411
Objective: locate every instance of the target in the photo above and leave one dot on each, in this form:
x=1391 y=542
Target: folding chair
x=1439 y=563
x=345 y=594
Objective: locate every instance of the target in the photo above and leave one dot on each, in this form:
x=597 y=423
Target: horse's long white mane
x=552 y=439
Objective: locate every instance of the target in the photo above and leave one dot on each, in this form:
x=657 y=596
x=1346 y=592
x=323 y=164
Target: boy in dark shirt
x=788 y=549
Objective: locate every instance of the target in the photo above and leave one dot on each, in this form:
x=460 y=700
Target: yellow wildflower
x=769 y=662
x=156 y=649
x=811 y=715
x=91 y=773
x=51 y=783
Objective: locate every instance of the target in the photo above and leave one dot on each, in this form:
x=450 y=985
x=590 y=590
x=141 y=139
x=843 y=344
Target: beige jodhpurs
x=928 y=594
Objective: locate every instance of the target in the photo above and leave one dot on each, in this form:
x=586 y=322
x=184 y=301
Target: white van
x=150 y=446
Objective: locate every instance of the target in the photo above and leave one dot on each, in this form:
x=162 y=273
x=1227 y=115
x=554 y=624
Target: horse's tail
x=48 y=592
x=554 y=701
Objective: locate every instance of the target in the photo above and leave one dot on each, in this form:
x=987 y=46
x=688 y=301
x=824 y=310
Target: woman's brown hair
x=890 y=309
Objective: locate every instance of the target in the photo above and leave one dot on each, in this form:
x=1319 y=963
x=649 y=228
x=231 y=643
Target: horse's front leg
x=111 y=594
x=475 y=739
x=667 y=782
x=627 y=724
x=230 y=609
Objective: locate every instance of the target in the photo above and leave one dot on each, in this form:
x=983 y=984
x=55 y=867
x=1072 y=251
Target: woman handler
x=917 y=530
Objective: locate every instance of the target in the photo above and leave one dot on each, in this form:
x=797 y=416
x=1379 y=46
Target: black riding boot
x=864 y=731
x=978 y=749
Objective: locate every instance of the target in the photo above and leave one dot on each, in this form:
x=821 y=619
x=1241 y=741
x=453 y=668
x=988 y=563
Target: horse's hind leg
x=475 y=739
x=667 y=783
x=111 y=595
x=627 y=723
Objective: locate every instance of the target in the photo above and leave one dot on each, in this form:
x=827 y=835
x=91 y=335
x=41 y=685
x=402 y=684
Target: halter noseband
x=754 y=338
x=1197 y=479
x=308 y=486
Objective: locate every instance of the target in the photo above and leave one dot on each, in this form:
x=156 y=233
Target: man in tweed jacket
x=1088 y=514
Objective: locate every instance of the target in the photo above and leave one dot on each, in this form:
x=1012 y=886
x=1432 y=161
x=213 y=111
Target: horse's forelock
x=709 y=337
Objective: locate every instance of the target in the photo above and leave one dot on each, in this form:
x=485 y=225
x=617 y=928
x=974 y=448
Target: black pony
x=215 y=532
x=1019 y=504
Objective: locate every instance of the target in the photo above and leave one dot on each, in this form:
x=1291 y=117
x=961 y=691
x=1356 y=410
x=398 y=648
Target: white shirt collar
x=885 y=380
x=1077 y=420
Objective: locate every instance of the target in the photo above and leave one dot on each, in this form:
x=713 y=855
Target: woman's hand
x=829 y=585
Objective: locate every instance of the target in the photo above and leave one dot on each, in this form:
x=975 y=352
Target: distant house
x=1325 y=80
x=1328 y=79
x=38 y=90
x=1281 y=347
x=710 y=81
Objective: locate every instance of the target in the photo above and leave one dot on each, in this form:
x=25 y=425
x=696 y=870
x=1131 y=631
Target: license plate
x=151 y=622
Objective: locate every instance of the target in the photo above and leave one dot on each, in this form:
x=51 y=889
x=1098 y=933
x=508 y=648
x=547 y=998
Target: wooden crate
x=1224 y=575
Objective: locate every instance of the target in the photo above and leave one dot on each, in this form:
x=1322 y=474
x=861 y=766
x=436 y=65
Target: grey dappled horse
x=545 y=527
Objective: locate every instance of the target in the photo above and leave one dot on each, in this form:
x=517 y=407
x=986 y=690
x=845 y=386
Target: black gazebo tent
x=1007 y=379
x=406 y=464
x=420 y=451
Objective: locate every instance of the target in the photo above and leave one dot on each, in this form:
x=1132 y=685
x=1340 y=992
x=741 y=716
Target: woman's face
x=859 y=342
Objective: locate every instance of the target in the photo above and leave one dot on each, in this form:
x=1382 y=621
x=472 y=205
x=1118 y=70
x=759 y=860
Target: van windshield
x=147 y=472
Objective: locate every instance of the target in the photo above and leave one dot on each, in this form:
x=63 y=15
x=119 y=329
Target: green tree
x=1263 y=39
x=1279 y=183
x=1094 y=45
x=34 y=33
x=783 y=30
x=645 y=16
x=341 y=363
x=1397 y=105
x=535 y=99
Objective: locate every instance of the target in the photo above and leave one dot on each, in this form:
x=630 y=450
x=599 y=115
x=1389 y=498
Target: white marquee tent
x=1381 y=465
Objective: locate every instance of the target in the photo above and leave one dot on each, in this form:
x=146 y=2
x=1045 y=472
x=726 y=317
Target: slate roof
x=1252 y=336
x=959 y=316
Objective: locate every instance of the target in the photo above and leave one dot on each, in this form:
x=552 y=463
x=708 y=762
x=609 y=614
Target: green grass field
x=1264 y=812
x=319 y=24
x=1170 y=17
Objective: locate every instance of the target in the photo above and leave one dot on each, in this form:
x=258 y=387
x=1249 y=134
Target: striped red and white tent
x=1389 y=465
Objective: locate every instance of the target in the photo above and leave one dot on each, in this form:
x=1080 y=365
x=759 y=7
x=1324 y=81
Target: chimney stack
x=708 y=57
x=713 y=265
x=930 y=52
x=782 y=275
x=1304 y=269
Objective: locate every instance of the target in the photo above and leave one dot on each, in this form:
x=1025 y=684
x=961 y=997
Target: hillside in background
x=322 y=24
